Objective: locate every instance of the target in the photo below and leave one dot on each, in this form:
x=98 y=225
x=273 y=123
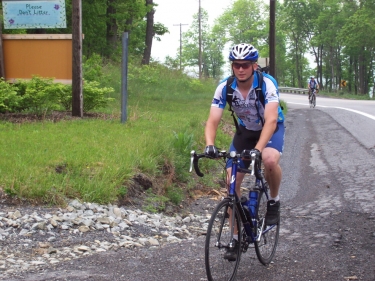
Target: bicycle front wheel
x=313 y=101
x=217 y=242
x=268 y=236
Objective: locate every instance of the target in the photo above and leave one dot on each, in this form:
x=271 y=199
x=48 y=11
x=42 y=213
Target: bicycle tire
x=265 y=248
x=313 y=101
x=217 y=240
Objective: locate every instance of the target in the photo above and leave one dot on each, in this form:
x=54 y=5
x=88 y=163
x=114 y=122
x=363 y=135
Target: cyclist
x=312 y=85
x=266 y=141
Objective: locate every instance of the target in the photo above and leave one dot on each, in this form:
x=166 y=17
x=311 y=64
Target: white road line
x=348 y=109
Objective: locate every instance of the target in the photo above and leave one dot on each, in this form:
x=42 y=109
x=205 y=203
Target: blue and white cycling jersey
x=245 y=109
x=312 y=84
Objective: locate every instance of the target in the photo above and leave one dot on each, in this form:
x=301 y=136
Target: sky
x=172 y=13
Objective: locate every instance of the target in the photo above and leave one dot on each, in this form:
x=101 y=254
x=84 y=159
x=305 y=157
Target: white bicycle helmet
x=243 y=51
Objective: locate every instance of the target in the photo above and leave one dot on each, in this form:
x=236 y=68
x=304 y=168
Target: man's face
x=243 y=69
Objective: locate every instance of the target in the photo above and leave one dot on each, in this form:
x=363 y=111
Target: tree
x=112 y=27
x=359 y=35
x=212 y=47
x=149 y=32
x=245 y=22
x=103 y=23
x=295 y=22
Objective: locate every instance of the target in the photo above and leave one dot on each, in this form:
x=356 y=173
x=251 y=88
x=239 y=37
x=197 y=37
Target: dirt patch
x=138 y=197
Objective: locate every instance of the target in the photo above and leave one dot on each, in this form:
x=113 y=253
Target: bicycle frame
x=247 y=223
x=230 y=218
x=313 y=92
x=259 y=182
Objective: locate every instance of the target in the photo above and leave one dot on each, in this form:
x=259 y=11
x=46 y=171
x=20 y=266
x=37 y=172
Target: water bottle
x=245 y=203
x=253 y=202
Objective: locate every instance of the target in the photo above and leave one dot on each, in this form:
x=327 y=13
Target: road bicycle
x=312 y=98
x=248 y=221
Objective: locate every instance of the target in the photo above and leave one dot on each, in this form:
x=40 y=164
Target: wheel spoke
x=268 y=236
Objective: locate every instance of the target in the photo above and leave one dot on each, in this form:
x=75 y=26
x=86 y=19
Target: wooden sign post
x=2 y=73
x=77 y=86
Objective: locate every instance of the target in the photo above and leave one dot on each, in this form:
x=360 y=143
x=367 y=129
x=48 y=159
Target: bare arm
x=270 y=123
x=212 y=124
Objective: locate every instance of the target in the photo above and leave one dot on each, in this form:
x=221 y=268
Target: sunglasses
x=245 y=65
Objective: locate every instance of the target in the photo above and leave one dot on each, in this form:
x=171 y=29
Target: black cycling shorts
x=247 y=139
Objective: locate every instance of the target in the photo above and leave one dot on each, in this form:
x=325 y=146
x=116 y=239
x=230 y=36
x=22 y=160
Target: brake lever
x=252 y=164
x=192 y=153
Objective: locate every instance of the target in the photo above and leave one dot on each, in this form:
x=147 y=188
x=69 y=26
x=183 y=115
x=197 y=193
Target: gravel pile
x=31 y=238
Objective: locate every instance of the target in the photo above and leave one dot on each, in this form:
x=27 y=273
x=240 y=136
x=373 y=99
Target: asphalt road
x=327 y=224
x=357 y=116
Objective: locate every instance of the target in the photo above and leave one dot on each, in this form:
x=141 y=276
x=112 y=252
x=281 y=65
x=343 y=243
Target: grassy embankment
x=344 y=94
x=94 y=160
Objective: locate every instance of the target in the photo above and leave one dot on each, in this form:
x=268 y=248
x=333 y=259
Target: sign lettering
x=34 y=14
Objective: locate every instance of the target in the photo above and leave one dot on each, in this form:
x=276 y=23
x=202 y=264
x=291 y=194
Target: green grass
x=94 y=160
x=344 y=95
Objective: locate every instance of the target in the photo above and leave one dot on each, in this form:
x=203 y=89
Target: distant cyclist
x=312 y=85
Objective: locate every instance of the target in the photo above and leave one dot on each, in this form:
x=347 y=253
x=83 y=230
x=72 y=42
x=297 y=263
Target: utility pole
x=272 y=39
x=200 y=40
x=181 y=24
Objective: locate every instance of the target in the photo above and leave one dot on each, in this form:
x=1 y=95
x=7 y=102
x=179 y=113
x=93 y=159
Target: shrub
x=9 y=100
x=41 y=95
x=95 y=97
x=37 y=95
x=63 y=95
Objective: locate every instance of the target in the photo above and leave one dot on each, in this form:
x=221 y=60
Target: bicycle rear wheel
x=265 y=247
x=217 y=242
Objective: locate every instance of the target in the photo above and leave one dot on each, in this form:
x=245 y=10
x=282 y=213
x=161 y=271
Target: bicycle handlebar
x=194 y=161
x=222 y=154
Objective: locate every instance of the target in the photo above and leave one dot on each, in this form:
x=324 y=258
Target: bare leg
x=273 y=173
x=239 y=179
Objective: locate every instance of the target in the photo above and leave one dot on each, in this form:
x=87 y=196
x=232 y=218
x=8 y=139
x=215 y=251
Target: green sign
x=24 y=14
